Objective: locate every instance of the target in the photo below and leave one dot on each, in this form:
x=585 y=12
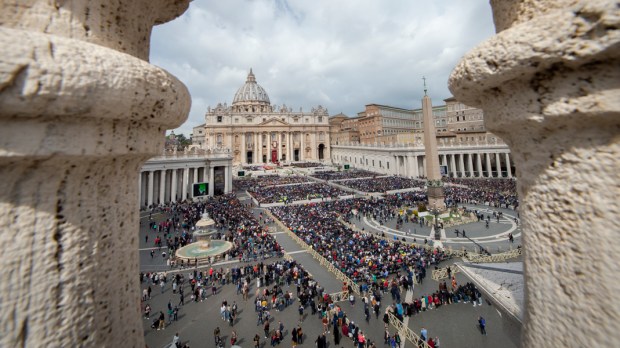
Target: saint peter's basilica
x=258 y=132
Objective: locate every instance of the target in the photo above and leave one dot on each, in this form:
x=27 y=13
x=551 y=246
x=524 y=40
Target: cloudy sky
x=340 y=54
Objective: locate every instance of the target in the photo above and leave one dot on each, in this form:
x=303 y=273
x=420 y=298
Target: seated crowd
x=344 y=175
x=362 y=257
x=383 y=184
x=267 y=180
x=498 y=192
x=299 y=192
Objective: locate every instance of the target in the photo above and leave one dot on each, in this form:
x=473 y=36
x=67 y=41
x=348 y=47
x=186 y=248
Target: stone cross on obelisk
x=434 y=183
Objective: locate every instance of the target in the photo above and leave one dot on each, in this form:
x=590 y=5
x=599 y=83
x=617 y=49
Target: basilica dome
x=251 y=93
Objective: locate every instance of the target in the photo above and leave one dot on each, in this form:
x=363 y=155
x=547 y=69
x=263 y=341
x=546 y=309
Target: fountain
x=204 y=248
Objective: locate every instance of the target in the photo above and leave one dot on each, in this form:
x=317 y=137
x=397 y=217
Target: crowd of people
x=383 y=184
x=267 y=180
x=344 y=175
x=307 y=164
x=298 y=192
x=497 y=192
x=363 y=257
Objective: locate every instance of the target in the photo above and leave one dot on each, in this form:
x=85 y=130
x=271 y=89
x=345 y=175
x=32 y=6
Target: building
x=170 y=177
x=258 y=132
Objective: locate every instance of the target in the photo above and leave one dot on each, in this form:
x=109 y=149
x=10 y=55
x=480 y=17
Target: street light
x=435 y=213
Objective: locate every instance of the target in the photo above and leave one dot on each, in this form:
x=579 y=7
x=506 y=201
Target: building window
x=387 y=164
x=219 y=119
x=236 y=120
x=320 y=119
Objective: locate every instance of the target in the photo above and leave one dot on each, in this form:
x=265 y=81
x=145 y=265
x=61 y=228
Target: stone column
x=302 y=150
x=149 y=188
x=470 y=165
x=140 y=190
x=268 y=147
x=461 y=165
x=508 y=165
x=549 y=81
x=227 y=177
x=488 y=160
x=279 y=136
x=162 y=186
x=75 y=79
x=453 y=165
x=479 y=164
x=185 y=183
x=211 y=182
x=244 y=150
x=498 y=165
x=255 y=153
x=173 y=186
x=414 y=166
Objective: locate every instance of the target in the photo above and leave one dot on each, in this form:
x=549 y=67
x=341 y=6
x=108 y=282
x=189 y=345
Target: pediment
x=273 y=122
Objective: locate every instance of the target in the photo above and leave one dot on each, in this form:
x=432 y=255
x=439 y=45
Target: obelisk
x=434 y=183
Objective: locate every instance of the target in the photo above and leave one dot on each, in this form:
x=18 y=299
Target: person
x=175 y=341
x=147 y=311
x=436 y=342
x=216 y=334
x=423 y=334
x=301 y=313
x=294 y=337
x=300 y=335
x=336 y=336
x=266 y=329
x=233 y=337
x=256 y=341
x=162 y=321
x=482 y=324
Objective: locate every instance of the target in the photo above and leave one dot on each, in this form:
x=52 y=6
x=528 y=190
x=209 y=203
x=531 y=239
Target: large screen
x=200 y=189
x=443 y=170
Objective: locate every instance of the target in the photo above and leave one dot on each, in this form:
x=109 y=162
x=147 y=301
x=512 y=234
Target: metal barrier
x=339 y=296
x=477 y=258
x=406 y=332
x=442 y=273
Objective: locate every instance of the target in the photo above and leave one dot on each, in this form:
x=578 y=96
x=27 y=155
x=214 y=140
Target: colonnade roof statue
x=548 y=85
x=75 y=78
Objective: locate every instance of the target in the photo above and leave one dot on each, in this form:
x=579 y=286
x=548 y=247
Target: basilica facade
x=258 y=132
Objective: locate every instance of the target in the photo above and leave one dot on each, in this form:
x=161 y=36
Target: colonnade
x=479 y=163
x=462 y=165
x=163 y=185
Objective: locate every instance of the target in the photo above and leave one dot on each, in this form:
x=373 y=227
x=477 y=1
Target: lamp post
x=435 y=213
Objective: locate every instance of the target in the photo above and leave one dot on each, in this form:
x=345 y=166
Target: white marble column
x=289 y=147
x=279 y=136
x=257 y=157
x=461 y=165
x=269 y=147
x=302 y=142
x=140 y=190
x=227 y=177
x=244 y=150
x=424 y=166
x=184 y=183
x=162 y=186
x=470 y=165
x=150 y=188
x=211 y=182
x=499 y=164
x=173 y=186
x=488 y=160
x=453 y=165
x=479 y=164
x=508 y=165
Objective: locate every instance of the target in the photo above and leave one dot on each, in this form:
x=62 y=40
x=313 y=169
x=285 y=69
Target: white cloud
x=340 y=54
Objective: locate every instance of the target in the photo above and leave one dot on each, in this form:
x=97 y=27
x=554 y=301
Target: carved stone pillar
x=548 y=85
x=74 y=77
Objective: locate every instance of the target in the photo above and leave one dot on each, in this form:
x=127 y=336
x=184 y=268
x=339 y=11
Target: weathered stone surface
x=80 y=111
x=549 y=86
